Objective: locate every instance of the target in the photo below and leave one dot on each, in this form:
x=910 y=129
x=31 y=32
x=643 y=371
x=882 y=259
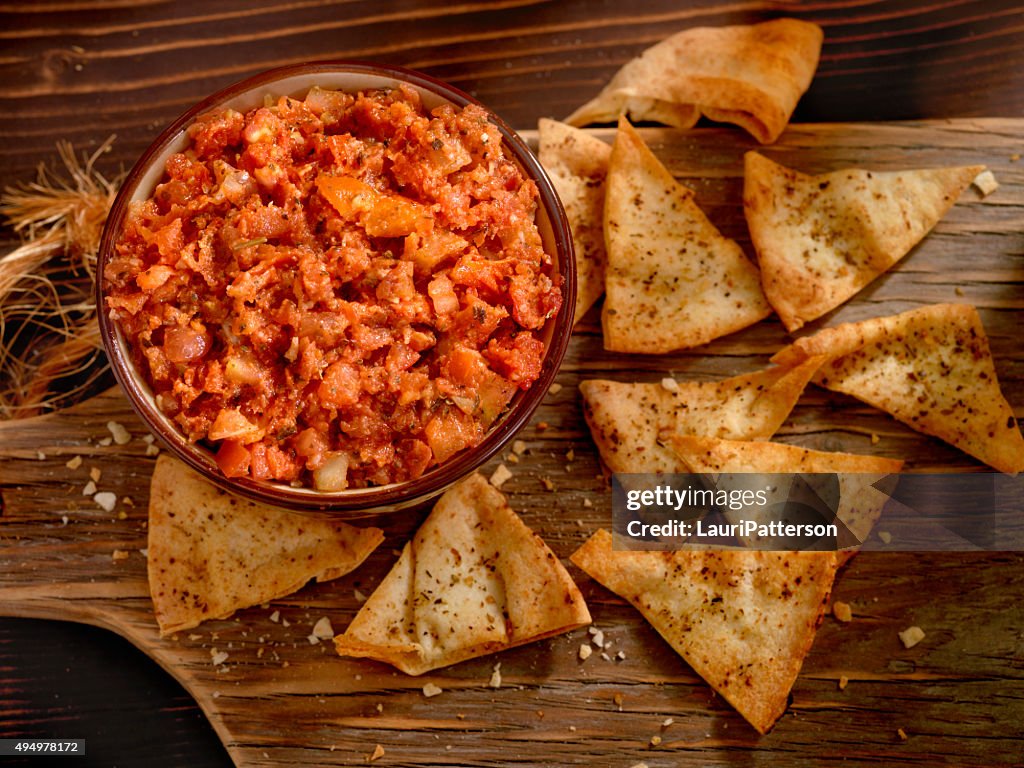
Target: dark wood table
x=81 y=70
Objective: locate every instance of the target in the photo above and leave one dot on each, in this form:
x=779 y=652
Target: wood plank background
x=83 y=69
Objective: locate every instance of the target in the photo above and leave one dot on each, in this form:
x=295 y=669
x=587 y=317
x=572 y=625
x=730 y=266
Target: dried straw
x=49 y=338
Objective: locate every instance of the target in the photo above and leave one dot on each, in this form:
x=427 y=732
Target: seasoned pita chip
x=743 y=620
x=577 y=164
x=752 y=76
x=474 y=580
x=672 y=281
x=821 y=239
x=860 y=503
x=931 y=368
x=628 y=421
x=211 y=554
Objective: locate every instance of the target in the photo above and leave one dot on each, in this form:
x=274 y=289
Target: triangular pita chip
x=860 y=503
x=474 y=580
x=821 y=239
x=211 y=554
x=931 y=368
x=577 y=164
x=743 y=620
x=752 y=76
x=628 y=421
x=673 y=281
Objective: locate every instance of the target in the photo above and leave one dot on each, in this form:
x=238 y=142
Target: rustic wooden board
x=959 y=695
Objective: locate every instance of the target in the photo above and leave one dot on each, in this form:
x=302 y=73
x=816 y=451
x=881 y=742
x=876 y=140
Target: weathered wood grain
x=959 y=695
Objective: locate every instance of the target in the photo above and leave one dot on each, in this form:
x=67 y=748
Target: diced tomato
x=233 y=459
x=449 y=432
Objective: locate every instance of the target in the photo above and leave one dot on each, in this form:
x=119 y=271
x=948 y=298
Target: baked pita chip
x=739 y=462
x=628 y=421
x=931 y=368
x=743 y=620
x=474 y=580
x=752 y=76
x=673 y=281
x=821 y=239
x=211 y=554
x=577 y=164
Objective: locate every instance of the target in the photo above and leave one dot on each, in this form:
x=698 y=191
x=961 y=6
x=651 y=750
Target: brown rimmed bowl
x=296 y=81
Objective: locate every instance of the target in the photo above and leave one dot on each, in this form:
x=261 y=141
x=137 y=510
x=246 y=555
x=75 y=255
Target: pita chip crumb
x=842 y=612
x=930 y=368
x=672 y=280
x=74 y=462
x=843 y=682
x=211 y=554
x=473 y=580
x=752 y=76
x=585 y=651
x=744 y=620
x=430 y=690
x=500 y=476
x=577 y=164
x=627 y=420
x=986 y=183
x=495 y=681
x=377 y=754
x=911 y=636
x=821 y=239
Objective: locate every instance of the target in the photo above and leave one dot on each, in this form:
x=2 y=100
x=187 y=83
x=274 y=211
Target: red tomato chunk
x=343 y=291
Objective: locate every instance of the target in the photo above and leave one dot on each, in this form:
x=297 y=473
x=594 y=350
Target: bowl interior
x=296 y=81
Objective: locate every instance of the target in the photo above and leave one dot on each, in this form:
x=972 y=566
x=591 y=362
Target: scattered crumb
x=74 y=463
x=122 y=515
x=285 y=623
x=144 y=552
x=106 y=500
x=585 y=651
x=986 y=183
x=323 y=629
x=152 y=450
x=842 y=611
x=570 y=455
x=40 y=455
x=360 y=597
x=460 y=716
x=519 y=447
x=548 y=485
x=605 y=656
x=95 y=473
x=430 y=690
x=540 y=713
x=511 y=458
x=620 y=656
x=377 y=754
x=902 y=734
x=275 y=616
x=218 y=657
x=554 y=389
x=667 y=722
x=64 y=519
x=119 y=433
x=638 y=765
x=958 y=291
x=874 y=439
x=617 y=698
x=843 y=682
x=148 y=439
x=1014 y=157
x=119 y=554
x=105 y=442
x=655 y=741
x=911 y=636
x=885 y=536
x=500 y=476
x=670 y=384
x=495 y=681
x=195 y=636
x=313 y=639
x=588 y=503
x=89 y=489
x=598 y=638
x=542 y=426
